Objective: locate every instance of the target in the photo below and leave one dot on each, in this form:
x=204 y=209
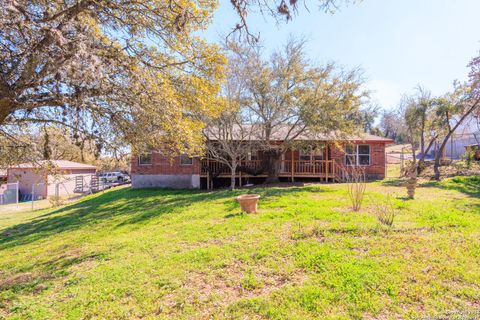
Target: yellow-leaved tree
x=124 y=72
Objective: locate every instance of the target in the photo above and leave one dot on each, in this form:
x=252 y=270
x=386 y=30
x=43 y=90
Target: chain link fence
x=396 y=162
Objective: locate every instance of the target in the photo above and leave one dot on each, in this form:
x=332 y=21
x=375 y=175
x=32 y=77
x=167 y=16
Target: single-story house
x=49 y=177
x=325 y=163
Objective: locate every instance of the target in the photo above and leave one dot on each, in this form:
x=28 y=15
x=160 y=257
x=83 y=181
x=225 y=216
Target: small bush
x=385 y=212
x=56 y=201
x=356 y=185
x=469 y=156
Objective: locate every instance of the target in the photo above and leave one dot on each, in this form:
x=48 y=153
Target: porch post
x=326 y=169
x=293 y=165
x=326 y=163
x=208 y=174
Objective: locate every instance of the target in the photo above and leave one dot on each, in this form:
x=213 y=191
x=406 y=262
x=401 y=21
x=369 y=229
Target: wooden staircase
x=94 y=184
x=81 y=186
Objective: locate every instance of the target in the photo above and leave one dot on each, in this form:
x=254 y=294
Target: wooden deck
x=323 y=169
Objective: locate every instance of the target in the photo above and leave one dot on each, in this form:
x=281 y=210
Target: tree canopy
x=287 y=95
x=122 y=71
x=278 y=10
x=431 y=121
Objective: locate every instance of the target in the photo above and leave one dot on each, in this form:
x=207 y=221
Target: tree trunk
x=4 y=109
x=422 y=146
x=233 y=169
x=436 y=167
x=273 y=165
x=438 y=156
x=412 y=176
x=47 y=152
x=421 y=162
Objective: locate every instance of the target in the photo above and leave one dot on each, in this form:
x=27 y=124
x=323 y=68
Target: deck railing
x=321 y=168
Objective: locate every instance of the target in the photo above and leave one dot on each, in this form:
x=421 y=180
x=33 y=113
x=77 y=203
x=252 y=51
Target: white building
x=467 y=134
x=47 y=178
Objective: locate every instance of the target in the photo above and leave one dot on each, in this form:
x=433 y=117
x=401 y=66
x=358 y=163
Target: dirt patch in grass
x=207 y=243
x=210 y=293
x=27 y=282
x=16 y=280
x=34 y=283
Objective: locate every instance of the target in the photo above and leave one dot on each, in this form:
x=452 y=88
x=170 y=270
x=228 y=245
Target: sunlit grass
x=192 y=255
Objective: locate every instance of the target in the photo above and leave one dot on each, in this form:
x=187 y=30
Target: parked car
x=115 y=176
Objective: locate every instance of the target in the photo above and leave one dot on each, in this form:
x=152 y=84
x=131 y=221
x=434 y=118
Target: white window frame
x=356 y=155
x=145 y=164
x=185 y=156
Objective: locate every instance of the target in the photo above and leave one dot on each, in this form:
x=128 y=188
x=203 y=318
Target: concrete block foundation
x=181 y=181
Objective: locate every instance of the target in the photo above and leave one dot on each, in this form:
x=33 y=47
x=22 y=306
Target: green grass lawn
x=131 y=254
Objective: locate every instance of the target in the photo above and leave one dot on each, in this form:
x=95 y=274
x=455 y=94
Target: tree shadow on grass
x=136 y=205
x=38 y=277
x=271 y=194
x=398 y=182
x=234 y=215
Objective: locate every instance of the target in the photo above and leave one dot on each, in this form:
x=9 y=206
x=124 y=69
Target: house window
x=145 y=159
x=357 y=155
x=252 y=156
x=311 y=154
x=305 y=155
x=186 y=160
x=317 y=154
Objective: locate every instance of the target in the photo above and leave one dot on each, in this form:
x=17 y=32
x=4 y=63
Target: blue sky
x=397 y=43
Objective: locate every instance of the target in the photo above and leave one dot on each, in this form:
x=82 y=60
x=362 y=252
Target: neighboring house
x=47 y=178
x=320 y=163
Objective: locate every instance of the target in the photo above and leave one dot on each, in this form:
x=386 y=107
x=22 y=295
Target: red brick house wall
x=165 y=172
x=377 y=167
x=163 y=165
x=170 y=172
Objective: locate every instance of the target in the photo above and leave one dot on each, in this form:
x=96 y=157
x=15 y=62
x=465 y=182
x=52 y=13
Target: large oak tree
x=128 y=71
x=288 y=96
